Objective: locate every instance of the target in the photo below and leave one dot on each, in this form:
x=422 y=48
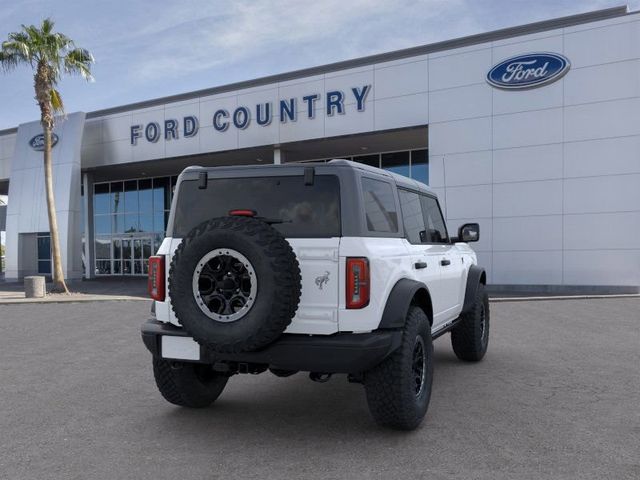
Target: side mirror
x=469 y=232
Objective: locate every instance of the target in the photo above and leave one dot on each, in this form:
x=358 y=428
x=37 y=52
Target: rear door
x=306 y=213
x=317 y=312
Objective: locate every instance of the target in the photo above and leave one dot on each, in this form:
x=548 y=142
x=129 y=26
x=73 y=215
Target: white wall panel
x=603 y=45
x=527 y=268
x=601 y=120
x=460 y=69
x=540 y=162
x=508 y=101
x=602 y=231
x=602 y=267
x=117 y=127
x=256 y=135
x=407 y=111
x=402 y=79
x=460 y=136
x=527 y=198
x=616 y=193
x=473 y=168
x=303 y=129
x=528 y=128
x=602 y=157
x=214 y=141
x=345 y=82
x=527 y=233
x=468 y=202
x=457 y=103
x=550 y=41
x=602 y=82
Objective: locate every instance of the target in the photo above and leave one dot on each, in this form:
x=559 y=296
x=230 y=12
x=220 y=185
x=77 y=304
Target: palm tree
x=50 y=55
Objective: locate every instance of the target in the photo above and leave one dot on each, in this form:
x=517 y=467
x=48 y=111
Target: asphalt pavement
x=557 y=396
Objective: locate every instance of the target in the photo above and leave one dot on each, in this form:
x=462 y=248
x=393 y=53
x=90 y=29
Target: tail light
x=156 y=278
x=358 y=287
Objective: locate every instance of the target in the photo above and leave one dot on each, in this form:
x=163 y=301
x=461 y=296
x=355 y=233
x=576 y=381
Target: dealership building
x=532 y=131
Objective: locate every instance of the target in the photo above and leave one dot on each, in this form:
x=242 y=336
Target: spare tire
x=234 y=284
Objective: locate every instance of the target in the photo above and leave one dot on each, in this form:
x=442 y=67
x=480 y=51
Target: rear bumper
x=338 y=353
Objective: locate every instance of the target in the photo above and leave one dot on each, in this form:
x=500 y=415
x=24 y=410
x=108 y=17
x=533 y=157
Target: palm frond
x=78 y=61
x=56 y=101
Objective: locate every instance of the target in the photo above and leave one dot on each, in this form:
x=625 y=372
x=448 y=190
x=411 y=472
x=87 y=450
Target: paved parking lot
x=557 y=396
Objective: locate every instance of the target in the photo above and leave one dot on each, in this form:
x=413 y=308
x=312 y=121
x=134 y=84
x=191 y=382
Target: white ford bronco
x=325 y=268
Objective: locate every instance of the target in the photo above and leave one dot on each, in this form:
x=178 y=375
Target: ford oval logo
x=37 y=142
x=528 y=71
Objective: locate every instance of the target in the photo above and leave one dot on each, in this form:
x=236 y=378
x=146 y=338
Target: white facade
x=552 y=174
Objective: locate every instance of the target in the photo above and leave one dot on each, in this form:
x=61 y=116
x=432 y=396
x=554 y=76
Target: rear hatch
x=307 y=213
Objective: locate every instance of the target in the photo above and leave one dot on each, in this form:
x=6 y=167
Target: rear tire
x=191 y=385
x=399 y=389
x=470 y=338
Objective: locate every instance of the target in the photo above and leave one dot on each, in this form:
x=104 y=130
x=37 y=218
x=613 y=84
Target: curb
x=560 y=297
x=22 y=301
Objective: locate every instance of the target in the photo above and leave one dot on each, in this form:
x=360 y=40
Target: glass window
x=412 y=217
x=305 y=210
x=131 y=223
x=158 y=222
x=103 y=250
x=101 y=198
x=131 y=203
x=102 y=224
x=44 y=247
x=44 y=266
x=371 y=160
x=117 y=223
x=116 y=197
x=146 y=222
x=145 y=195
x=397 y=162
x=436 y=228
x=161 y=200
x=103 y=267
x=380 y=206
x=420 y=166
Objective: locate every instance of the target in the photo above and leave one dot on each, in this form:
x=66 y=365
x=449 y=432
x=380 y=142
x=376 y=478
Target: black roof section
x=501 y=34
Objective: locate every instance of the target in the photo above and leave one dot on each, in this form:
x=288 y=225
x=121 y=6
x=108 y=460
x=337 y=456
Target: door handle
x=419 y=265
x=445 y=262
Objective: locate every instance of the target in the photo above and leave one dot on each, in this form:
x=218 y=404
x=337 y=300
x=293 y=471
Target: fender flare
x=475 y=277
x=400 y=299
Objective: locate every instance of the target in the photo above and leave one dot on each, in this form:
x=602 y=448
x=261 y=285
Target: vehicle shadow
x=267 y=408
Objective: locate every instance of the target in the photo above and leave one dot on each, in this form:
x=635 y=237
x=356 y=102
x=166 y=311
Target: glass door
x=131 y=255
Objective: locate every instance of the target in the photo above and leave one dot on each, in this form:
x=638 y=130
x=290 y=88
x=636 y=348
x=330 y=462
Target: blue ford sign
x=528 y=71
x=37 y=142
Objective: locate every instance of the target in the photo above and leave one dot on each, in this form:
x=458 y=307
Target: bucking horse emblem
x=322 y=280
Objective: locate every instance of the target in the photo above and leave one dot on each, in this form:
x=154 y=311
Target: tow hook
x=320 y=377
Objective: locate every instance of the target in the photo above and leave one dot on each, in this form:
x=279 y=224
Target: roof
x=503 y=33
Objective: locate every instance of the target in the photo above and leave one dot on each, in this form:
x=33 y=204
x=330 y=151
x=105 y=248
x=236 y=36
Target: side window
x=412 y=216
x=379 y=206
x=436 y=228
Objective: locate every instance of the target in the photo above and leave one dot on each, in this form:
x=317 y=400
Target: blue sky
x=151 y=48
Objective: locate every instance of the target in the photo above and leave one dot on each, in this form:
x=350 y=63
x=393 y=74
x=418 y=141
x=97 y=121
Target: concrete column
x=87 y=185
x=277 y=156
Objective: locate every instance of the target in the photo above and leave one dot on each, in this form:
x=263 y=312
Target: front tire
x=189 y=385
x=399 y=389
x=470 y=338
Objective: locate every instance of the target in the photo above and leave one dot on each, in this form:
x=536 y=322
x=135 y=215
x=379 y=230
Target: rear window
x=379 y=206
x=307 y=211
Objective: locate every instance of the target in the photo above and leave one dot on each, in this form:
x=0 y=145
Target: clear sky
x=151 y=48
